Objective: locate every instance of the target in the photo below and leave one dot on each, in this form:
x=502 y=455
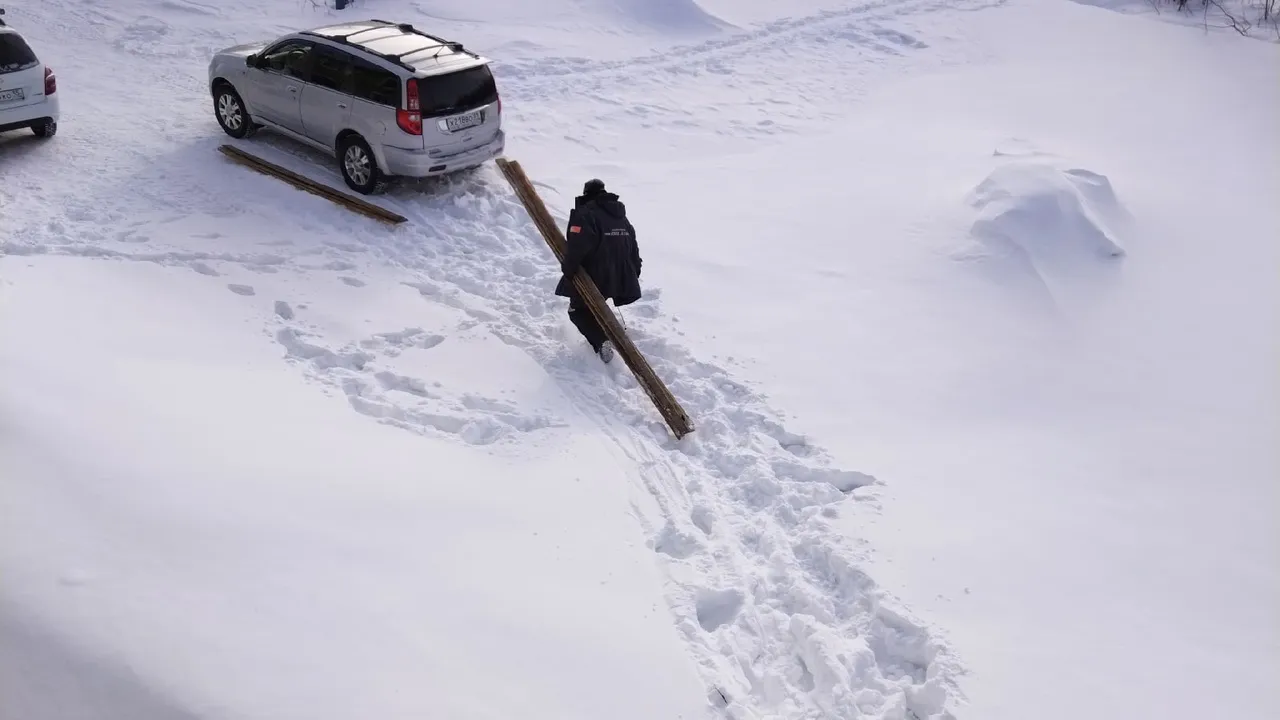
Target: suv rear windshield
x=15 y=54
x=457 y=92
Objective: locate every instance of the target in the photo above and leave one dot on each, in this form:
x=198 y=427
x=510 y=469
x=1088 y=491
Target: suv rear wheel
x=359 y=167
x=229 y=109
x=46 y=128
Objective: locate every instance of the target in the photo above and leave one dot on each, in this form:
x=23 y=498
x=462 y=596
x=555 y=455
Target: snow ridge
x=671 y=16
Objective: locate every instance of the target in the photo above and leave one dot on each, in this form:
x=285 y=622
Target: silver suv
x=384 y=98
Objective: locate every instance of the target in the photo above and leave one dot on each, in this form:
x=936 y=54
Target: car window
x=15 y=54
x=289 y=58
x=457 y=91
x=375 y=84
x=331 y=68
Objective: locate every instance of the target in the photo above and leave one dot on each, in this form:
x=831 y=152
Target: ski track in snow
x=767 y=595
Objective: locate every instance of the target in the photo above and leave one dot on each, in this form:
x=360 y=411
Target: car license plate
x=12 y=95
x=462 y=122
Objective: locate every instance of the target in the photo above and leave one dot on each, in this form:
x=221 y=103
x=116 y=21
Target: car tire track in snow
x=765 y=591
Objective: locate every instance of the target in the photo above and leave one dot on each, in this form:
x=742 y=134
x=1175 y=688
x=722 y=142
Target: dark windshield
x=15 y=55
x=457 y=92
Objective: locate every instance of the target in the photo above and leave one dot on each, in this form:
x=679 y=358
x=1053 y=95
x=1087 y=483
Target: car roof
x=402 y=44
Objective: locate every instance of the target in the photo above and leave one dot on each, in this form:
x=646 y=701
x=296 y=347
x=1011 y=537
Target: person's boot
x=606 y=351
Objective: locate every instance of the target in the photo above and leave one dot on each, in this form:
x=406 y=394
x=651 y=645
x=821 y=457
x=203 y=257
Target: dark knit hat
x=593 y=187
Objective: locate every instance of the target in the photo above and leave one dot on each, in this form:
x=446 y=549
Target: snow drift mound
x=670 y=16
x=1059 y=217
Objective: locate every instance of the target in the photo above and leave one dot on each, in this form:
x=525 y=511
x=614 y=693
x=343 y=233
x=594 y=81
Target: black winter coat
x=603 y=242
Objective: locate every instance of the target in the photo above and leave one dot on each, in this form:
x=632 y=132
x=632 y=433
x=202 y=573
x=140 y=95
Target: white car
x=27 y=87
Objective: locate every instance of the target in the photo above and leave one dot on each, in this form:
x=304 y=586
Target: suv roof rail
x=344 y=40
x=455 y=46
x=441 y=43
x=408 y=28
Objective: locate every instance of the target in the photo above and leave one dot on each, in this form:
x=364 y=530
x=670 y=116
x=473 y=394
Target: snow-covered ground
x=973 y=303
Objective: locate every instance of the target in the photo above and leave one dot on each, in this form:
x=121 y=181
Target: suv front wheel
x=359 y=167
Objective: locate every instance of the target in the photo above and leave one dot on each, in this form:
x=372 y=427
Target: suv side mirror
x=251 y=61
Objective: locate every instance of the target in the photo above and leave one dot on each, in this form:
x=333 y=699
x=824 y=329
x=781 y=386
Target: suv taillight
x=410 y=120
x=50 y=81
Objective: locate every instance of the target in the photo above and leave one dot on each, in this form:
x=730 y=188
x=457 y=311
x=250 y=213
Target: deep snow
x=250 y=548
x=1014 y=311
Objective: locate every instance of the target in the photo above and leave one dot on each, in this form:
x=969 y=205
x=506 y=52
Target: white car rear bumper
x=28 y=115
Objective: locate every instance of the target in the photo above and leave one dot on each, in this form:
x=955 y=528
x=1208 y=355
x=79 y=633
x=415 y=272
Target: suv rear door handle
x=291 y=88
x=342 y=105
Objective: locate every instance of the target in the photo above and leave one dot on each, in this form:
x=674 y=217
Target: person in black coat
x=602 y=241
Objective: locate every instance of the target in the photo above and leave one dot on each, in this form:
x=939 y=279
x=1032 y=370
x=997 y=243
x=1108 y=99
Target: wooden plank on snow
x=667 y=405
x=351 y=202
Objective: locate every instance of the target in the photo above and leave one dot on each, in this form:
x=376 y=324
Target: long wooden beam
x=667 y=405
x=351 y=202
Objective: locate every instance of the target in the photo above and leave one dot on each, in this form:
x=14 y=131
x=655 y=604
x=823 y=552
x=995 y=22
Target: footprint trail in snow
x=765 y=591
